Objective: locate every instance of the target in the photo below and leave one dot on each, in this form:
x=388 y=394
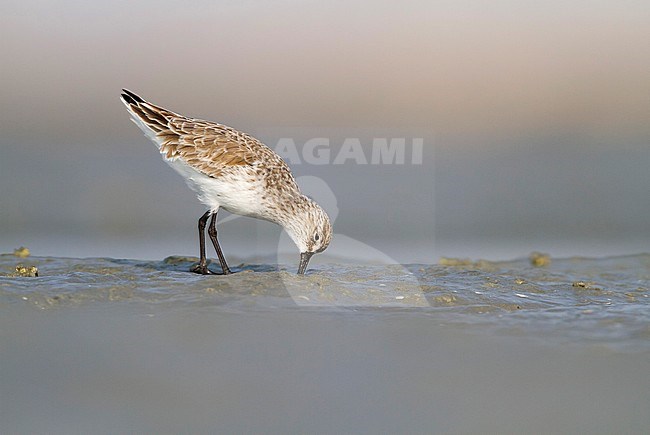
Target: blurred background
x=534 y=119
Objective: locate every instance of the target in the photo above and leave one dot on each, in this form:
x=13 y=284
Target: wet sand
x=106 y=346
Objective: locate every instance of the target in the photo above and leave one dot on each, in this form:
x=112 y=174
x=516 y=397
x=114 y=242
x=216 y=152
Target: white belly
x=234 y=192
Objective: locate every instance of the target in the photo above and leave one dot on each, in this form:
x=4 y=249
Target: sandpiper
x=230 y=169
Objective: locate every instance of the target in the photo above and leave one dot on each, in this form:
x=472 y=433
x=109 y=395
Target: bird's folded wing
x=204 y=145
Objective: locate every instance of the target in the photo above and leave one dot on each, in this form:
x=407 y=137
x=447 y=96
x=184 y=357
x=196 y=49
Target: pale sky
x=534 y=115
x=467 y=67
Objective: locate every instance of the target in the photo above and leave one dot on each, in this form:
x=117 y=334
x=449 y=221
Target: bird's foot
x=201 y=269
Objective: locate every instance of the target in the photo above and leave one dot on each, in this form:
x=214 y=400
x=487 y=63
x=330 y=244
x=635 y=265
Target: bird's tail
x=153 y=120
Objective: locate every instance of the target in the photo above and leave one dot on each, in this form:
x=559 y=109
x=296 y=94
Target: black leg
x=212 y=232
x=202 y=267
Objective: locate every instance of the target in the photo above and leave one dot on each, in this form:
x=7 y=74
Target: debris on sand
x=446 y=261
x=465 y=262
x=25 y=271
x=179 y=259
x=21 y=252
x=539 y=259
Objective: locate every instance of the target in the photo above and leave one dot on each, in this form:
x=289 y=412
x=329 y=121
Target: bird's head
x=311 y=231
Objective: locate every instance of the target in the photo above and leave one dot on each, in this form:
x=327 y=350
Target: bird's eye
x=316 y=237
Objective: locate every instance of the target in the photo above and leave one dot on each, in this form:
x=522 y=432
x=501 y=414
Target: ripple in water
x=602 y=300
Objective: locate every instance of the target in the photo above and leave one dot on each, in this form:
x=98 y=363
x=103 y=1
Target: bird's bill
x=304 y=260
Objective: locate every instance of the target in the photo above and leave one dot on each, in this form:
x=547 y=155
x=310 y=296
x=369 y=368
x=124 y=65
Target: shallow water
x=102 y=345
x=576 y=299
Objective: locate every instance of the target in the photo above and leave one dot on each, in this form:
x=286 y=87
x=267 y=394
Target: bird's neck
x=293 y=216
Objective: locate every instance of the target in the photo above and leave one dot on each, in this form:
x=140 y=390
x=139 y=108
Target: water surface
x=100 y=345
